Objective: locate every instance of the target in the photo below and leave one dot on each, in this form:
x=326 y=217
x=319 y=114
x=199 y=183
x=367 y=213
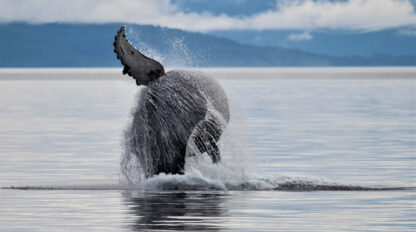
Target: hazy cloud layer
x=296 y=14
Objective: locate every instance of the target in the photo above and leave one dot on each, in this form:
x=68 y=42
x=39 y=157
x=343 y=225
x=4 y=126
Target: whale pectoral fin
x=205 y=142
x=137 y=65
x=209 y=146
x=214 y=152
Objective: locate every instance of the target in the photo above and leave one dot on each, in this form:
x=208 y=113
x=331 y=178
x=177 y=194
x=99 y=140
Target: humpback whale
x=179 y=113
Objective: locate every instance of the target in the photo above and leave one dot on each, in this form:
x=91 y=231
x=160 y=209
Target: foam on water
x=202 y=175
x=195 y=180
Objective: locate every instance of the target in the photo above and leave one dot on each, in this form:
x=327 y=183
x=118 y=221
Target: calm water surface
x=61 y=133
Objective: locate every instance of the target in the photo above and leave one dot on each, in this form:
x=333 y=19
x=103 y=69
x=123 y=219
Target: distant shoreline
x=244 y=73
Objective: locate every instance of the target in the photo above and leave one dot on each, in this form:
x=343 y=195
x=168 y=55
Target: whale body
x=179 y=113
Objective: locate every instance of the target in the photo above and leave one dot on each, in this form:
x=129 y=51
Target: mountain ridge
x=90 y=45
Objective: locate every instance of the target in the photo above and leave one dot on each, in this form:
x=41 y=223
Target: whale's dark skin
x=175 y=110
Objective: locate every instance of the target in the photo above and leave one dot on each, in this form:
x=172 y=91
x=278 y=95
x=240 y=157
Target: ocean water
x=317 y=149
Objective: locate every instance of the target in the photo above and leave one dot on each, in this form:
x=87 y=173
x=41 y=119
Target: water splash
x=138 y=43
x=180 y=55
x=172 y=51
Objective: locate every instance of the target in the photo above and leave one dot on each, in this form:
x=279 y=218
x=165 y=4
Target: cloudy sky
x=209 y=15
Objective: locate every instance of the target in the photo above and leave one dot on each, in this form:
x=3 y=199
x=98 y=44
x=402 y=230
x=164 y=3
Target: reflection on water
x=113 y=210
x=179 y=211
